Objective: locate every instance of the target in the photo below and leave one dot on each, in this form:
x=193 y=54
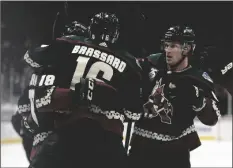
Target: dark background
x=25 y=23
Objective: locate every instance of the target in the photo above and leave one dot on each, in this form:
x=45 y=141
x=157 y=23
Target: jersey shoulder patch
x=206 y=76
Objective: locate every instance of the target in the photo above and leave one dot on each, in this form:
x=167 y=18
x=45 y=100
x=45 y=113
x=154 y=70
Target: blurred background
x=142 y=26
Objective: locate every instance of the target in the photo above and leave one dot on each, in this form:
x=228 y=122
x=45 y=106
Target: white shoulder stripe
x=30 y=61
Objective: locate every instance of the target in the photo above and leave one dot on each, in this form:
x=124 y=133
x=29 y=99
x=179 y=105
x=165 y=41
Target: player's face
x=173 y=52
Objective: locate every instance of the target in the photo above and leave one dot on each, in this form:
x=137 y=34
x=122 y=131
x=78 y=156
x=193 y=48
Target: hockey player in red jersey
x=82 y=91
x=174 y=95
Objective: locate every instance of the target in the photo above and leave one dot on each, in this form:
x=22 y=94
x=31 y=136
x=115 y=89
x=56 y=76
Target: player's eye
x=173 y=45
x=166 y=45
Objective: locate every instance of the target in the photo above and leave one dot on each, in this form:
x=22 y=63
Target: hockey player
x=83 y=134
x=177 y=93
x=29 y=131
x=20 y=118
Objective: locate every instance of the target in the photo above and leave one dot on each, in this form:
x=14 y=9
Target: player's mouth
x=169 y=57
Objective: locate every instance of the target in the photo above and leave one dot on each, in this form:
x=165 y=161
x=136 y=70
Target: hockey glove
x=29 y=127
x=16 y=121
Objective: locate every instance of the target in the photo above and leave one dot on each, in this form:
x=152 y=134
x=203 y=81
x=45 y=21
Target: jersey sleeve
x=23 y=115
x=47 y=94
x=44 y=55
x=131 y=96
x=209 y=113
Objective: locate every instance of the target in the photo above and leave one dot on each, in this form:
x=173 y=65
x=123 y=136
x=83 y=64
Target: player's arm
x=21 y=119
x=204 y=100
x=35 y=56
x=204 y=103
x=16 y=121
x=43 y=55
x=206 y=108
x=25 y=121
x=131 y=97
x=49 y=97
x=47 y=55
x=137 y=91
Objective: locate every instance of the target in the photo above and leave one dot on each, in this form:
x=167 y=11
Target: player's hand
x=23 y=124
x=92 y=91
x=16 y=121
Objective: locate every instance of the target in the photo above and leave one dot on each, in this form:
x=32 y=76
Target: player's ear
x=186 y=49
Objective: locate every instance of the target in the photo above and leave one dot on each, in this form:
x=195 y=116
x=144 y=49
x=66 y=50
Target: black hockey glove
x=91 y=91
x=16 y=121
x=29 y=127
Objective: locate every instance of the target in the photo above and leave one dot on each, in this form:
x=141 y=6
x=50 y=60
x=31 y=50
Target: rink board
x=221 y=131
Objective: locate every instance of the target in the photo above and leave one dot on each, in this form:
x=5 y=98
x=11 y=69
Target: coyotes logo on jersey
x=158 y=104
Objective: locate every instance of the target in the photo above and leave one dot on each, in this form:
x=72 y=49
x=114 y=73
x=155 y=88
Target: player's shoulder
x=155 y=58
x=130 y=59
x=202 y=75
x=125 y=54
x=73 y=39
x=201 y=78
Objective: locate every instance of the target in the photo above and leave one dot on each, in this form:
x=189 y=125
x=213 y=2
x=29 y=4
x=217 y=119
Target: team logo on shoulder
x=207 y=77
x=153 y=73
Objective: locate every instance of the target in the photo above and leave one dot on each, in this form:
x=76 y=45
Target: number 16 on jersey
x=93 y=71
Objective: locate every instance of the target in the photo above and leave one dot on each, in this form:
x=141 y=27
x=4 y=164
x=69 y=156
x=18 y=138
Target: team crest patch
x=158 y=104
x=207 y=77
